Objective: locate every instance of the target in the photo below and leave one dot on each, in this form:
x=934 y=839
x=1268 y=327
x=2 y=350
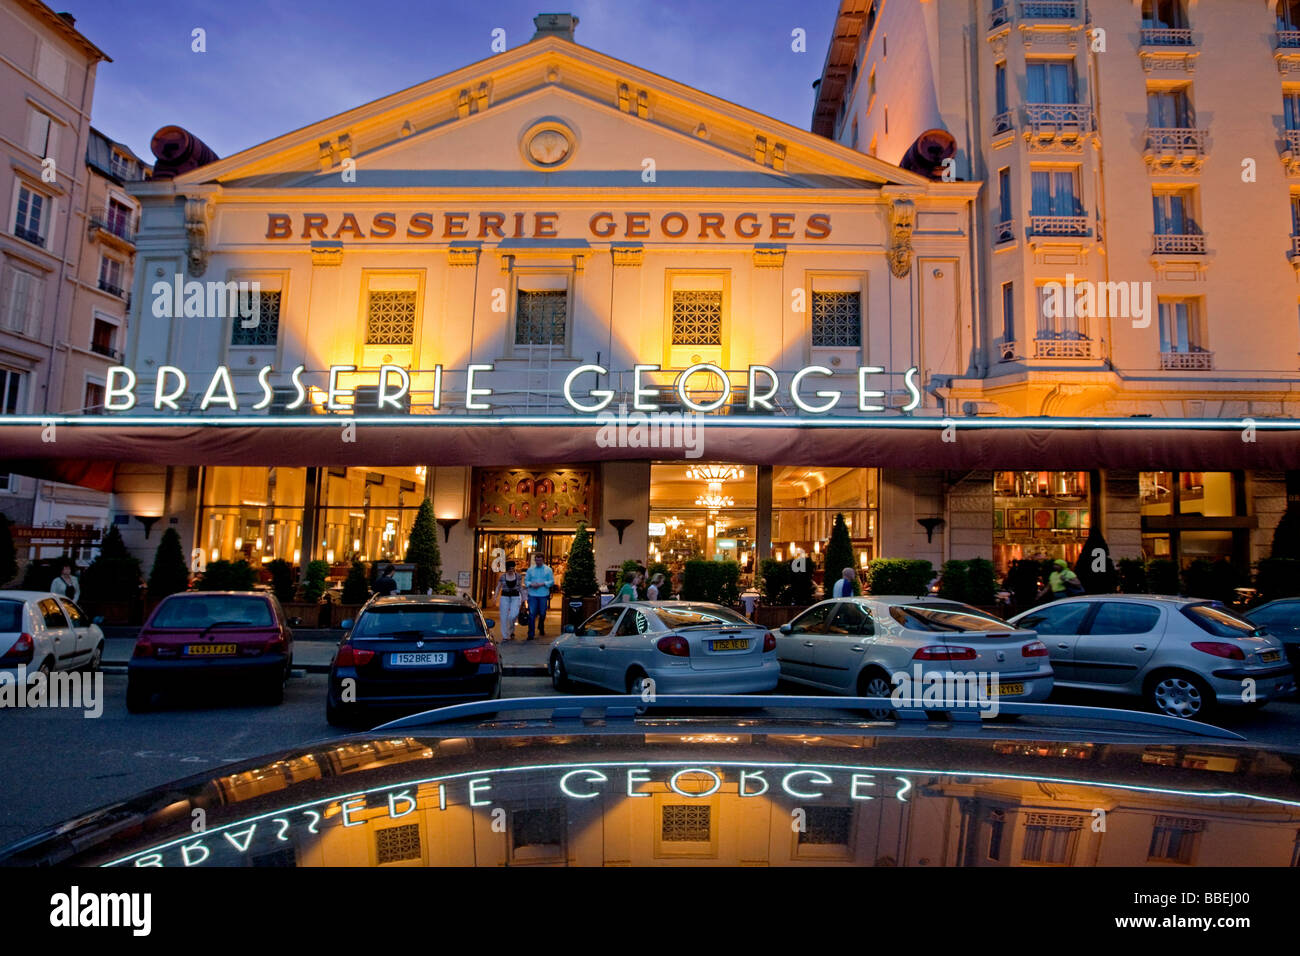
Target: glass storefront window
x=1173 y=504
x=1039 y=515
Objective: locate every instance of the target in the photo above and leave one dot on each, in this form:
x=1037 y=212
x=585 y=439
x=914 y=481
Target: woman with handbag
x=510 y=596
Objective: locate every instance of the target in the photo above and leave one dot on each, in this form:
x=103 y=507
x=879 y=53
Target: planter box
x=113 y=612
x=338 y=613
x=310 y=614
x=590 y=605
x=774 y=615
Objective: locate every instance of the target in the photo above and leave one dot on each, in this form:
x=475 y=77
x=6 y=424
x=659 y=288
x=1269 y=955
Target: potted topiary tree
x=356 y=589
x=422 y=551
x=227 y=576
x=281 y=572
x=1095 y=569
x=580 y=579
x=169 y=574
x=305 y=609
x=111 y=585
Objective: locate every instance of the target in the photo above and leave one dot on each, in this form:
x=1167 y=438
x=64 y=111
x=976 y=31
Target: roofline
x=854 y=13
x=565 y=48
x=69 y=32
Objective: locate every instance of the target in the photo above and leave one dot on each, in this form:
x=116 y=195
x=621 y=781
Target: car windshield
x=945 y=617
x=422 y=620
x=11 y=616
x=699 y=615
x=1219 y=621
x=224 y=609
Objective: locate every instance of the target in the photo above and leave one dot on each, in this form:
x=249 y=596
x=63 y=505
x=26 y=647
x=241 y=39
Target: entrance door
x=494 y=547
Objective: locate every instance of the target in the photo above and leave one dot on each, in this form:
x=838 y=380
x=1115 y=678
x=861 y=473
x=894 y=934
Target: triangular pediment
x=550 y=113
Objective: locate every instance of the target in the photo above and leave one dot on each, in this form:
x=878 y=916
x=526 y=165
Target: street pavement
x=58 y=764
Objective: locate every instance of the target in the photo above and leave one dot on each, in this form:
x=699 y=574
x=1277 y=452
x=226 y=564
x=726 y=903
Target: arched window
x=1288 y=15
x=1166 y=14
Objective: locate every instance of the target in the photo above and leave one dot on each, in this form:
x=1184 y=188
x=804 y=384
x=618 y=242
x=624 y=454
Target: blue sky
x=273 y=66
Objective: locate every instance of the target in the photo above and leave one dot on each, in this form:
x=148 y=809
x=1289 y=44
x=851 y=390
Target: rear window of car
x=11 y=616
x=1218 y=620
x=225 y=609
x=699 y=615
x=417 y=620
x=945 y=617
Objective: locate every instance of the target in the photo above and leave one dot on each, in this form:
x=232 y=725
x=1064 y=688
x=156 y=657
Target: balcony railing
x=1166 y=36
x=1288 y=39
x=1175 y=145
x=999 y=16
x=30 y=235
x=114 y=223
x=1006 y=350
x=1061 y=347
x=1058 y=225
x=1195 y=360
x=1049 y=9
x=100 y=349
x=1295 y=246
x=1004 y=231
x=106 y=286
x=1179 y=244
x=1066 y=120
x=1003 y=123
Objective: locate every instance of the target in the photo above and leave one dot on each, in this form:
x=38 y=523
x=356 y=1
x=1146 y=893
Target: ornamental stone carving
x=198 y=213
x=902 y=220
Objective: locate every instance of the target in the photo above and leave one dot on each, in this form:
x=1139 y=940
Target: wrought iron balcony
x=1288 y=39
x=1076 y=347
x=1003 y=123
x=1179 y=244
x=1053 y=121
x=1196 y=360
x=1049 y=10
x=999 y=16
x=114 y=222
x=1169 y=146
x=106 y=286
x=1166 y=36
x=107 y=350
x=1058 y=226
x=1004 y=232
x=1295 y=247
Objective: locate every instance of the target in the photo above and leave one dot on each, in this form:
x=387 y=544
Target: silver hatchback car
x=860 y=646
x=1182 y=655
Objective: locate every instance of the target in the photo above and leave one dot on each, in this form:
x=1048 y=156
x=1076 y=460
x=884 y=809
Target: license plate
x=418 y=660
x=1010 y=690
x=737 y=645
x=209 y=650
x=1269 y=657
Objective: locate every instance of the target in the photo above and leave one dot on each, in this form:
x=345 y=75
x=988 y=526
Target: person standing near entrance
x=385 y=584
x=67 y=584
x=844 y=587
x=1063 y=582
x=656 y=584
x=538 y=582
x=510 y=595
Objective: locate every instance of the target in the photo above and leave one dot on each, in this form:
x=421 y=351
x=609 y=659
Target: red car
x=240 y=638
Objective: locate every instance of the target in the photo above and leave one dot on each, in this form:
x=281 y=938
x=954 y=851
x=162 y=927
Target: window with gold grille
x=825 y=826
x=263 y=326
x=540 y=317
x=393 y=844
x=686 y=823
x=390 y=319
x=837 y=319
x=697 y=317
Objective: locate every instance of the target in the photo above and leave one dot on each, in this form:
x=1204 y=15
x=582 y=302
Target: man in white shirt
x=537 y=582
x=846 y=586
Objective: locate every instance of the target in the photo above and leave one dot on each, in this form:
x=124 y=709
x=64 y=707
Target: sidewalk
x=314 y=649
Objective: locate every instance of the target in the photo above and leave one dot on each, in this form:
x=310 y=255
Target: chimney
x=555 y=25
x=71 y=20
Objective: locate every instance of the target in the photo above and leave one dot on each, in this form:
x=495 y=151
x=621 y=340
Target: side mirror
x=97 y=619
x=346 y=623
x=490 y=623
x=786 y=629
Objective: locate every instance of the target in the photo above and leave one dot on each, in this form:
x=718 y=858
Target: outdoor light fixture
x=239 y=543
x=447 y=524
x=930 y=524
x=621 y=525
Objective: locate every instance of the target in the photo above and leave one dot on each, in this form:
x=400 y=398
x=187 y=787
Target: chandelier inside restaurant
x=714 y=476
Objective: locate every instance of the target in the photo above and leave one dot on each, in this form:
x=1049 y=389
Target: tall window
x=103 y=338
x=1056 y=192
x=42 y=132
x=1051 y=837
x=22 y=296
x=31 y=220
x=541 y=316
x=1008 y=316
x=390 y=317
x=11 y=391
x=1291 y=107
x=93 y=401
x=1000 y=96
x=1288 y=15
x=1180 y=326
x=110 y=275
x=1050 y=81
x=837 y=319
x=1163 y=15
x=266 y=330
x=1173 y=213
x=697 y=317
x=1004 y=194
x=1173 y=839
x=1295 y=214
x=1169 y=109
x=1055 y=321
x=118 y=218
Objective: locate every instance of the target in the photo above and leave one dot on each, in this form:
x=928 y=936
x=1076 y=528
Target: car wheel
x=876 y=683
x=138 y=697
x=44 y=670
x=559 y=676
x=636 y=682
x=339 y=715
x=273 y=693
x=96 y=659
x=1178 y=694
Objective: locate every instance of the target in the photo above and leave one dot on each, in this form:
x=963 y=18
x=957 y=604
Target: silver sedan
x=876 y=646
x=684 y=647
x=1182 y=655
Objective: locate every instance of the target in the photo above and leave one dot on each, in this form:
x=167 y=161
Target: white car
x=685 y=647
x=857 y=646
x=44 y=632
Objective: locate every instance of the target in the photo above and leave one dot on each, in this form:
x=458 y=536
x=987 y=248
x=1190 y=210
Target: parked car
x=856 y=645
x=45 y=632
x=1281 y=618
x=684 y=647
x=412 y=652
x=240 y=639
x=1183 y=656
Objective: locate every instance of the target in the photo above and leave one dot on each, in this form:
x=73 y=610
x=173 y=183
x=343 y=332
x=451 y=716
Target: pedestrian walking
x=845 y=586
x=538 y=582
x=1062 y=582
x=656 y=583
x=67 y=584
x=385 y=584
x=628 y=591
x=510 y=596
